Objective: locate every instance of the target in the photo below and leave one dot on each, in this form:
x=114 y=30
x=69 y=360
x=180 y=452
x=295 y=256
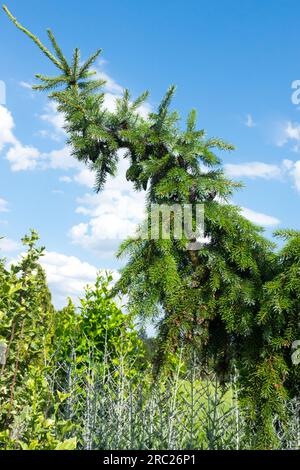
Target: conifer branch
x=34 y=39
x=90 y=61
x=57 y=49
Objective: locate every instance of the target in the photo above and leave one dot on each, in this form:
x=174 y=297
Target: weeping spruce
x=234 y=301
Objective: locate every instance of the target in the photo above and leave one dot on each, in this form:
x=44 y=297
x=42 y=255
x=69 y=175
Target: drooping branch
x=34 y=39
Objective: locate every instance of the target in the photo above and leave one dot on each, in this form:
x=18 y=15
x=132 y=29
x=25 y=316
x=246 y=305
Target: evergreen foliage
x=26 y=333
x=235 y=300
x=47 y=350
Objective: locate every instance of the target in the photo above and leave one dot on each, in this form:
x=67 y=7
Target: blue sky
x=233 y=61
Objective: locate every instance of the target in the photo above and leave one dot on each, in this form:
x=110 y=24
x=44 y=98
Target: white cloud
x=26 y=85
x=3 y=205
x=53 y=117
x=67 y=276
x=26 y=157
x=287 y=164
x=111 y=85
x=249 y=121
x=46 y=134
x=287 y=168
x=7 y=246
x=293 y=170
x=61 y=159
x=144 y=110
x=113 y=214
x=85 y=177
x=253 y=170
x=288 y=132
x=295 y=173
x=110 y=101
x=23 y=157
x=260 y=218
x=6 y=128
x=292 y=131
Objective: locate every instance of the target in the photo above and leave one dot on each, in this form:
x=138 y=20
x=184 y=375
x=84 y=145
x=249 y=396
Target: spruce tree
x=219 y=298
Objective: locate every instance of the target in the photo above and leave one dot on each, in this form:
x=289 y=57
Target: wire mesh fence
x=111 y=408
x=114 y=404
